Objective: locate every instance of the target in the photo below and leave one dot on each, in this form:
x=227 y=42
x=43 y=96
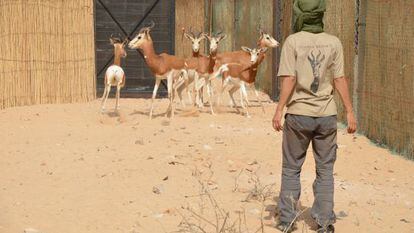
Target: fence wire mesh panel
x=45 y=57
x=340 y=21
x=386 y=90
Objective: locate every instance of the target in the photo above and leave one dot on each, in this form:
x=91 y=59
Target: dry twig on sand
x=212 y=217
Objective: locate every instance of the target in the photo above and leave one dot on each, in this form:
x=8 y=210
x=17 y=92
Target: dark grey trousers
x=298 y=132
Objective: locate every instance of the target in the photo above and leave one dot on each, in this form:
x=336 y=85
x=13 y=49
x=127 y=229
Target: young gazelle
x=238 y=76
x=163 y=66
x=243 y=58
x=114 y=75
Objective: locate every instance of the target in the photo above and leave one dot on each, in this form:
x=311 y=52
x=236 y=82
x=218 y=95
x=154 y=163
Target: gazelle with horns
x=200 y=67
x=163 y=66
x=241 y=57
x=114 y=75
x=206 y=69
x=191 y=63
x=238 y=76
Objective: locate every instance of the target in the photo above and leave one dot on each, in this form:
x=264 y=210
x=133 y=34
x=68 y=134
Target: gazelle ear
x=126 y=41
x=204 y=36
x=263 y=50
x=188 y=36
x=207 y=36
x=147 y=34
x=246 y=49
x=112 y=41
x=222 y=37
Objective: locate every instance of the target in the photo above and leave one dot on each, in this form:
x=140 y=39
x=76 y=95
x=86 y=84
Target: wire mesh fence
x=386 y=86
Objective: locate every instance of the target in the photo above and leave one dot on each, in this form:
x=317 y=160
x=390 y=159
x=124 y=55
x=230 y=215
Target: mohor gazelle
x=205 y=70
x=238 y=75
x=115 y=75
x=265 y=41
x=191 y=63
x=163 y=66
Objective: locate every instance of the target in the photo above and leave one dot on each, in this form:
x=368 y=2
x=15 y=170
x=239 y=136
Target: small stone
x=165 y=123
x=158 y=189
x=207 y=147
x=139 y=142
x=158 y=215
x=175 y=163
x=342 y=214
x=254 y=211
x=404 y=220
x=253 y=162
x=31 y=230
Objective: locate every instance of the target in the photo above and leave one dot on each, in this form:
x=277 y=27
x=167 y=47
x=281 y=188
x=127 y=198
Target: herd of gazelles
x=238 y=69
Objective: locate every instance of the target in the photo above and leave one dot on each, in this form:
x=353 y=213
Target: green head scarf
x=309 y=15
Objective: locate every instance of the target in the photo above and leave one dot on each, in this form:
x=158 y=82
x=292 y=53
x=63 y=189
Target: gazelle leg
x=209 y=93
x=118 y=90
x=189 y=80
x=195 y=92
x=199 y=83
x=186 y=83
x=223 y=87
x=231 y=93
x=154 y=94
x=190 y=98
x=179 y=87
x=170 y=95
x=103 y=98
x=108 y=89
x=243 y=97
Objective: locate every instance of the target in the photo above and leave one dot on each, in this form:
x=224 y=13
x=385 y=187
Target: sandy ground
x=68 y=169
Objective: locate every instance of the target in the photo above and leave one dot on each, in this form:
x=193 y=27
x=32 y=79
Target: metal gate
x=126 y=17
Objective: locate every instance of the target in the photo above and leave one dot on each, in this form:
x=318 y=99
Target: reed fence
x=47 y=53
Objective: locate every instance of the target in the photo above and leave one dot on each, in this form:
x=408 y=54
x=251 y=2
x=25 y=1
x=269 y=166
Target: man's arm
x=288 y=84
x=341 y=85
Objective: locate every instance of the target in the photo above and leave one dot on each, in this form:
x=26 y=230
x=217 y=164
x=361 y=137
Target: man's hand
x=277 y=120
x=352 y=125
x=288 y=85
x=341 y=85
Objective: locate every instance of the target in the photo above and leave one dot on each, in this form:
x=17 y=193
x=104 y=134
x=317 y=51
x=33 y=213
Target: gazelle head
x=215 y=40
x=254 y=53
x=316 y=62
x=119 y=45
x=196 y=38
x=267 y=40
x=142 y=37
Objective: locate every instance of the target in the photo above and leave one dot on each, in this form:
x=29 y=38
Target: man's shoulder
x=331 y=37
x=293 y=36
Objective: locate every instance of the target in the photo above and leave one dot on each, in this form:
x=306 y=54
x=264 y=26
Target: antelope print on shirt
x=315 y=63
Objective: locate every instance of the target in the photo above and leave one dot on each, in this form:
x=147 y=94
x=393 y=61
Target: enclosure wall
x=386 y=84
x=47 y=53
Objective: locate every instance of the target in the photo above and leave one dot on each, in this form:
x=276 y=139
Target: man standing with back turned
x=308 y=57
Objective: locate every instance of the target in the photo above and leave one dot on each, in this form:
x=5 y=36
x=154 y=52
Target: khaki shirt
x=311 y=58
